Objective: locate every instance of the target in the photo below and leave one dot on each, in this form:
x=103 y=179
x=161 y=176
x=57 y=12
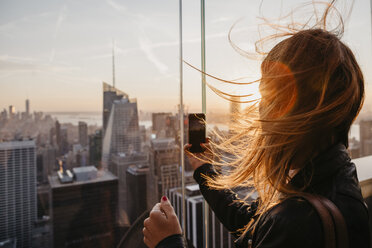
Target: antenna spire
x=113 y=63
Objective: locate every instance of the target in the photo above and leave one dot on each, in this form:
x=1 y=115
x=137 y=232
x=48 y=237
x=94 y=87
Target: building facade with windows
x=17 y=191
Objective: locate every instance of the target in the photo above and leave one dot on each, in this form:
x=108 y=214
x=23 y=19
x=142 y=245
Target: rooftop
x=102 y=176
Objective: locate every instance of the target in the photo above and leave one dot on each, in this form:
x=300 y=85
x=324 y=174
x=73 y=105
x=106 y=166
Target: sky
x=57 y=53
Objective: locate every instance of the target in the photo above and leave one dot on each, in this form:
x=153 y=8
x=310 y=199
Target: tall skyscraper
x=110 y=94
x=122 y=133
x=95 y=148
x=17 y=191
x=83 y=133
x=11 y=111
x=83 y=212
x=27 y=107
x=365 y=130
x=63 y=145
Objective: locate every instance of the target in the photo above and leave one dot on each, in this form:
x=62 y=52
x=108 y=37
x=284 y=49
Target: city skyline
x=57 y=54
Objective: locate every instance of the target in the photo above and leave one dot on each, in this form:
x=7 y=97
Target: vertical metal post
x=183 y=222
x=204 y=110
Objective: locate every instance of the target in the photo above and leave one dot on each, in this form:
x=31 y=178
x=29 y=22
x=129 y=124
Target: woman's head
x=311 y=91
x=311 y=84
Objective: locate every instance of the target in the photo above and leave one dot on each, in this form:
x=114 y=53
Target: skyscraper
x=83 y=133
x=27 y=107
x=164 y=125
x=95 y=148
x=110 y=94
x=17 y=191
x=83 y=212
x=365 y=136
x=119 y=165
x=164 y=167
x=122 y=133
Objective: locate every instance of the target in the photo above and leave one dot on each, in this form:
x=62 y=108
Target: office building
x=95 y=148
x=164 y=125
x=118 y=166
x=63 y=146
x=83 y=134
x=110 y=94
x=83 y=213
x=12 y=112
x=17 y=191
x=164 y=167
x=58 y=133
x=46 y=163
x=122 y=134
x=27 y=107
x=365 y=130
x=137 y=197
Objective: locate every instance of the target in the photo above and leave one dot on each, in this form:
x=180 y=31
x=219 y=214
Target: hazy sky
x=57 y=53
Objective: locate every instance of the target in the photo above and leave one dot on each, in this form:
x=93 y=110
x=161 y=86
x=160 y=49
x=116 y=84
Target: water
x=91 y=118
x=95 y=118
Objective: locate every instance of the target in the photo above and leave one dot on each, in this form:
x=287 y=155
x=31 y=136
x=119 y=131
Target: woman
x=312 y=90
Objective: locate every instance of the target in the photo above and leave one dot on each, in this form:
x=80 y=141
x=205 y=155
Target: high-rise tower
x=110 y=94
x=17 y=191
x=27 y=107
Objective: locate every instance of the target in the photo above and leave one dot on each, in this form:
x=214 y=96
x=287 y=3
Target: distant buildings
x=27 y=107
x=95 y=148
x=46 y=163
x=83 y=133
x=17 y=191
x=164 y=167
x=83 y=212
x=164 y=125
x=365 y=130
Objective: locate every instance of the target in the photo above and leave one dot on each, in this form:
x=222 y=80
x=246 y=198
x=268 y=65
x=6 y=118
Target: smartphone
x=196 y=132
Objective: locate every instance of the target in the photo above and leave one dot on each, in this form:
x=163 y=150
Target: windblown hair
x=311 y=89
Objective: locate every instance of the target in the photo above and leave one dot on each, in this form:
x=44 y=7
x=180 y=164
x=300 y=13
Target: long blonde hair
x=312 y=90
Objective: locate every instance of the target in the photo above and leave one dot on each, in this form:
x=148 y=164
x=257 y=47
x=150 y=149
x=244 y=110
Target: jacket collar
x=322 y=167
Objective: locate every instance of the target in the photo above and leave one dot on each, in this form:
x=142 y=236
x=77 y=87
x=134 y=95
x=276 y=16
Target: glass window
x=92 y=126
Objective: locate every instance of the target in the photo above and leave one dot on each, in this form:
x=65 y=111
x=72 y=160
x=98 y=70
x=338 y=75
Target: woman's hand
x=198 y=159
x=161 y=223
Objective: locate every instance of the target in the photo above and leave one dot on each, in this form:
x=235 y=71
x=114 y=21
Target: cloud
x=117 y=6
x=7 y=28
x=15 y=64
x=146 y=47
x=60 y=19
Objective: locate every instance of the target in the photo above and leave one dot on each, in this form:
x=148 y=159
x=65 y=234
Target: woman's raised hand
x=198 y=159
x=161 y=223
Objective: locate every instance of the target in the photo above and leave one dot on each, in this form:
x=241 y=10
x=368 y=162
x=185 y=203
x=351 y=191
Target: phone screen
x=196 y=131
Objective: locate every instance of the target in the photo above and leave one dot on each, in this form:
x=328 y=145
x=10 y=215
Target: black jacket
x=293 y=222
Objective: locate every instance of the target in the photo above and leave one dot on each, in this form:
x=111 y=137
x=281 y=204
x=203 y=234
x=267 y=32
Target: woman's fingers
x=147 y=242
x=166 y=207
